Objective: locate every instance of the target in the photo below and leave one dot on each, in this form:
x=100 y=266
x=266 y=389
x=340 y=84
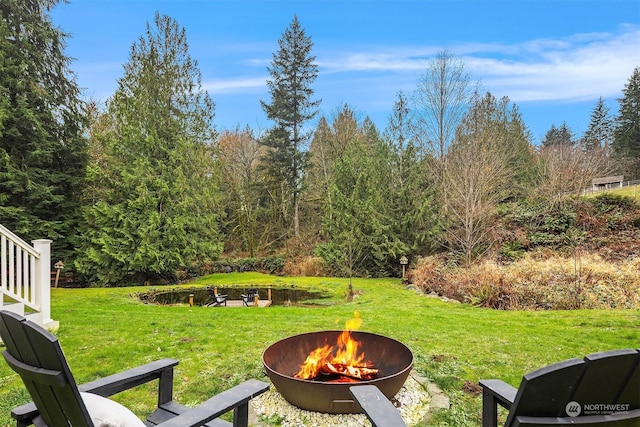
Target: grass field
x=630 y=191
x=105 y=330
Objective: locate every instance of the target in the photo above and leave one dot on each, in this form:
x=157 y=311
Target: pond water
x=201 y=296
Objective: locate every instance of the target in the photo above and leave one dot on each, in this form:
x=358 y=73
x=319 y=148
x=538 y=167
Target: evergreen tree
x=398 y=130
x=627 y=130
x=321 y=160
x=378 y=207
x=157 y=208
x=43 y=153
x=411 y=211
x=561 y=136
x=318 y=176
x=293 y=71
x=358 y=230
x=370 y=131
x=522 y=157
x=599 y=134
x=328 y=145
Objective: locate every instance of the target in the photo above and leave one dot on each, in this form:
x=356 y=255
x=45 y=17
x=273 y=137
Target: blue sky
x=552 y=58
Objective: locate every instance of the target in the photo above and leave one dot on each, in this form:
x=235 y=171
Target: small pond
x=202 y=296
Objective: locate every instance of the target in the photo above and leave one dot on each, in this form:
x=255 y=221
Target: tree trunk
x=296 y=218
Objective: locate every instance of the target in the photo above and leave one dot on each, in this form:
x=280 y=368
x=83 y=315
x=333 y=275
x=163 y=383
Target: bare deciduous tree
x=569 y=169
x=240 y=154
x=478 y=174
x=440 y=101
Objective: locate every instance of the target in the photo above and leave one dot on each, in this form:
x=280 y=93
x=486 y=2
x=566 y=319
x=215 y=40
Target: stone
x=417 y=399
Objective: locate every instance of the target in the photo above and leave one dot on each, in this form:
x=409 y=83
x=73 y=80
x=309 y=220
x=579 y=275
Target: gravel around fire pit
x=412 y=400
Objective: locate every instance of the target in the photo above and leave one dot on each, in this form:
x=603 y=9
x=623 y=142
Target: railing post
x=3 y=267
x=43 y=278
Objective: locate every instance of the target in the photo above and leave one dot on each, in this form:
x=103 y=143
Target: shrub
x=536 y=282
x=270 y=265
x=607 y=224
x=304 y=266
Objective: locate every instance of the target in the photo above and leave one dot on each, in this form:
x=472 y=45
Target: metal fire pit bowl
x=283 y=359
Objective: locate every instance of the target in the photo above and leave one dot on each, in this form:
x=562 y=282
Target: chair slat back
x=606 y=376
x=630 y=394
x=546 y=391
x=35 y=354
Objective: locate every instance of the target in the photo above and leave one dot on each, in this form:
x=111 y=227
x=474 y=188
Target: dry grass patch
x=305 y=266
x=535 y=282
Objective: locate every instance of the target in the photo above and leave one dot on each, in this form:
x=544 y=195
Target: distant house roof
x=607 y=180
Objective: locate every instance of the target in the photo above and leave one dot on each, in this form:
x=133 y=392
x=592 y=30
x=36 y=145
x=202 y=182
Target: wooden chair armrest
x=375 y=405
x=495 y=392
x=112 y=384
x=236 y=398
x=133 y=377
x=25 y=414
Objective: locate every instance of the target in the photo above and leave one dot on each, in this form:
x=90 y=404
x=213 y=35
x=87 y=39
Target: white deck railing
x=25 y=276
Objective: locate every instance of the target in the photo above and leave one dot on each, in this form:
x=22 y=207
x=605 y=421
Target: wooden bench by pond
x=603 y=389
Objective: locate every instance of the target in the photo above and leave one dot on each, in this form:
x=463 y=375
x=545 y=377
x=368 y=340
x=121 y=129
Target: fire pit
x=391 y=360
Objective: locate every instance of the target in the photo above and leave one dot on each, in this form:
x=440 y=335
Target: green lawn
x=630 y=191
x=104 y=331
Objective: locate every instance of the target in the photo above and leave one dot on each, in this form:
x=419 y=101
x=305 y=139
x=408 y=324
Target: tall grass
x=105 y=330
x=536 y=282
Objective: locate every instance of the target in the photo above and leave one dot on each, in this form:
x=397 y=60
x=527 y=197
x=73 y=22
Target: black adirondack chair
x=216 y=298
x=35 y=354
x=250 y=297
x=603 y=389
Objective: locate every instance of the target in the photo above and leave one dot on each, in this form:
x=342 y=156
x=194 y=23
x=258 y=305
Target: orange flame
x=355 y=323
x=315 y=360
x=343 y=358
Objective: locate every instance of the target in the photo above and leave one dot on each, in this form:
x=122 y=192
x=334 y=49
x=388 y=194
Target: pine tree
x=293 y=71
x=561 y=136
x=599 y=134
x=627 y=131
x=322 y=157
x=411 y=212
x=43 y=153
x=358 y=229
x=327 y=146
x=522 y=158
x=157 y=211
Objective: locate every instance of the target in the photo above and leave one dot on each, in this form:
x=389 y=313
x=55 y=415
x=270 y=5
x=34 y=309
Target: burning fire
x=340 y=362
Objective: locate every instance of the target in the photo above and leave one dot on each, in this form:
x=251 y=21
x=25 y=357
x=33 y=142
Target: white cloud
x=235 y=85
x=395 y=61
x=582 y=66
